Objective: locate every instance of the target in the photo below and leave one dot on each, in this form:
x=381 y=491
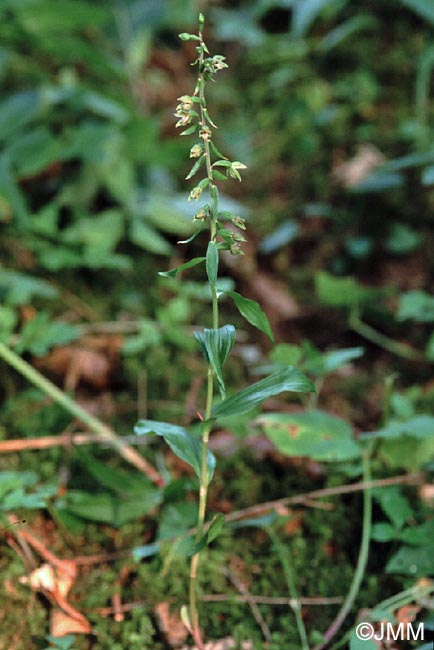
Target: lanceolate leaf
x=187 y=265
x=212 y=262
x=195 y=168
x=252 y=312
x=216 y=345
x=181 y=442
x=285 y=379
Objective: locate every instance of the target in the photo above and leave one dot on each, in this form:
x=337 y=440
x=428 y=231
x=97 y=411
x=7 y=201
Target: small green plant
x=225 y=234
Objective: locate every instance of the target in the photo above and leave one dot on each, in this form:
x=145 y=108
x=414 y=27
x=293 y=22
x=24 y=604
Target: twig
x=261 y=508
x=98 y=427
x=238 y=584
x=272 y=600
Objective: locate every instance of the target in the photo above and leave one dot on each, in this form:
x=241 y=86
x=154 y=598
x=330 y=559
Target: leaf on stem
x=187 y=265
x=199 y=162
x=212 y=262
x=285 y=379
x=216 y=345
x=182 y=443
x=252 y=312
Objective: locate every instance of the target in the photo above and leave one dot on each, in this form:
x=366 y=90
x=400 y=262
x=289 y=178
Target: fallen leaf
x=356 y=169
x=62 y=624
x=91 y=360
x=170 y=625
x=228 y=643
x=407 y=614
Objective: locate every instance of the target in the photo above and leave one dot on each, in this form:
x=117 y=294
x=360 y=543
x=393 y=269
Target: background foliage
x=329 y=103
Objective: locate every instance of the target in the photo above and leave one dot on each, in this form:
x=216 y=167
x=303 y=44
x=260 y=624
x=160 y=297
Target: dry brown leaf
x=228 y=643
x=62 y=624
x=356 y=169
x=170 y=625
x=426 y=493
x=407 y=614
x=91 y=360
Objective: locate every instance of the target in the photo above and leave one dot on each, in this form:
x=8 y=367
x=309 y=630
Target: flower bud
x=239 y=222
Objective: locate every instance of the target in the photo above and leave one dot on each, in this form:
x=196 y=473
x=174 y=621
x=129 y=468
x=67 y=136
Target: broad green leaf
x=418 y=535
x=394 y=505
x=252 y=312
x=148 y=550
x=407 y=452
x=424 y=8
x=285 y=379
x=416 y=305
x=342 y=292
x=181 y=442
x=187 y=265
x=34 y=151
x=212 y=262
x=305 y=13
x=19 y=288
x=383 y=532
x=148 y=238
x=417 y=562
x=286 y=353
x=12 y=199
x=107 y=507
x=322 y=364
x=361 y=644
x=38 y=335
x=315 y=434
x=419 y=426
x=10 y=480
x=216 y=345
x=18 y=110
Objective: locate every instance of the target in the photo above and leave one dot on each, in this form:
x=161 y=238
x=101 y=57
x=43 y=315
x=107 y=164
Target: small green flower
x=186 y=103
x=201 y=215
x=196 y=150
x=235 y=249
x=195 y=193
x=205 y=133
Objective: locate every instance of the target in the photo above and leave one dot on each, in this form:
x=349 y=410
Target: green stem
x=95 y=425
x=292 y=589
x=383 y=341
x=362 y=559
x=203 y=488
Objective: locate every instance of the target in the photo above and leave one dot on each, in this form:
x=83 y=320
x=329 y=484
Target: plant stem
x=383 y=341
x=203 y=488
x=294 y=599
x=362 y=559
x=94 y=424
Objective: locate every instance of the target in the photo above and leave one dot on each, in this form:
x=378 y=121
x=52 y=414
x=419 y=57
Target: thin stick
x=102 y=430
x=271 y=600
x=261 y=508
x=238 y=584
